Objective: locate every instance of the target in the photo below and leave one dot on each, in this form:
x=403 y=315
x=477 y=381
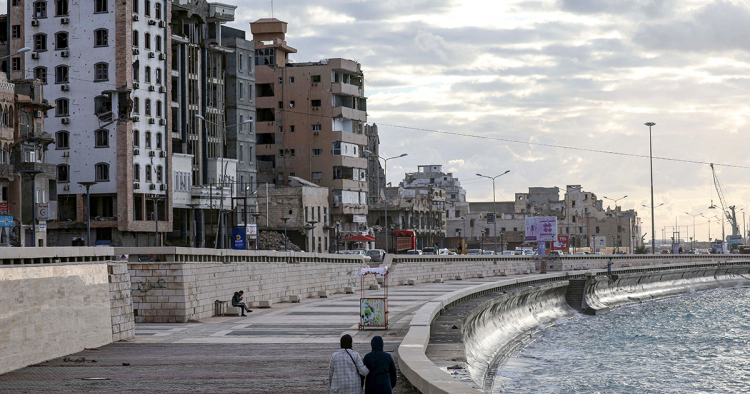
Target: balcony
x=349 y=113
x=340 y=208
x=346 y=89
x=222 y=12
x=46 y=169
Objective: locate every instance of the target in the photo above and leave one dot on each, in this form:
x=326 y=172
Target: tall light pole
x=285 y=220
x=494 y=209
x=618 y=219
x=87 y=185
x=33 y=174
x=651 y=166
x=385 y=174
x=653 y=236
x=255 y=216
x=694 y=235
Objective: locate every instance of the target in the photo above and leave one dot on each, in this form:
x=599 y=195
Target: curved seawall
x=495 y=328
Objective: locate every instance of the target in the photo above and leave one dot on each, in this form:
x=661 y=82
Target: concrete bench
x=295 y=298
x=323 y=294
x=232 y=310
x=411 y=281
x=439 y=280
x=374 y=286
x=349 y=290
x=265 y=303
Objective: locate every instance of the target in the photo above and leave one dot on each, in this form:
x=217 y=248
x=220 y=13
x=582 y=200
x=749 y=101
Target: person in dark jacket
x=237 y=302
x=382 y=376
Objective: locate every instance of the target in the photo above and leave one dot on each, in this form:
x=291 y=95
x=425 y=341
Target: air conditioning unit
x=66 y=120
x=136 y=152
x=151 y=55
x=65 y=53
x=316 y=132
x=163 y=187
x=135 y=18
x=66 y=154
x=65 y=88
x=152 y=186
x=151 y=22
x=135 y=85
x=151 y=153
x=64 y=21
x=151 y=121
x=35 y=55
x=136 y=52
x=162 y=89
x=162 y=153
x=39 y=114
x=162 y=24
x=163 y=122
x=66 y=188
x=136 y=185
x=151 y=88
x=135 y=118
x=336 y=203
x=162 y=56
x=34 y=22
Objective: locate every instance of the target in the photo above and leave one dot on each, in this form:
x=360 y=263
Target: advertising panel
x=541 y=248
x=372 y=312
x=6 y=221
x=561 y=244
x=42 y=211
x=252 y=231
x=238 y=238
x=4 y=208
x=541 y=228
x=359 y=219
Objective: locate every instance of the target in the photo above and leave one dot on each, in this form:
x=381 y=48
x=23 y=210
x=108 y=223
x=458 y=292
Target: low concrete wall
x=585 y=262
x=49 y=311
x=121 y=301
x=424 y=269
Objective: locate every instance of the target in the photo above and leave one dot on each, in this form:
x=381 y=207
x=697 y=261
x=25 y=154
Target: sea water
x=697 y=343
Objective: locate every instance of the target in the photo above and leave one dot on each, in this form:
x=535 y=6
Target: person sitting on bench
x=237 y=302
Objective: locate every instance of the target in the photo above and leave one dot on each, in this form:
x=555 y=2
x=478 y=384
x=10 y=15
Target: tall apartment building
x=104 y=65
x=310 y=119
x=375 y=172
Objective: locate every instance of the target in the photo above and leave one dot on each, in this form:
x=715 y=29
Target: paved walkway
x=282 y=349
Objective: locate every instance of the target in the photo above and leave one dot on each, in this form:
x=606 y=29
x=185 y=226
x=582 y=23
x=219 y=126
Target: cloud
x=645 y=7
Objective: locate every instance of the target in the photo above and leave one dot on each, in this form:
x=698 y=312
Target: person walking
x=382 y=376
x=459 y=249
x=237 y=302
x=346 y=370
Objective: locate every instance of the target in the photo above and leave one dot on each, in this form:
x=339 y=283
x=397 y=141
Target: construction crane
x=728 y=210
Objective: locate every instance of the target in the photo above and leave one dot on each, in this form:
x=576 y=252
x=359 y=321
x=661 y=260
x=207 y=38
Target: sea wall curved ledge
x=495 y=316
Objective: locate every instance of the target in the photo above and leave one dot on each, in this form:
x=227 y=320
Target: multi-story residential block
x=431 y=176
x=375 y=172
x=309 y=124
x=104 y=65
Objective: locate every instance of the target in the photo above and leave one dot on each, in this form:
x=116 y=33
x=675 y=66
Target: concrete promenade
x=282 y=349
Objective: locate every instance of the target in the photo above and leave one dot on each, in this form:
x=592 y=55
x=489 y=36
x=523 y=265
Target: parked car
x=446 y=252
x=377 y=255
x=555 y=253
x=362 y=253
x=518 y=252
x=508 y=253
x=474 y=252
x=414 y=251
x=428 y=251
x=489 y=252
x=528 y=252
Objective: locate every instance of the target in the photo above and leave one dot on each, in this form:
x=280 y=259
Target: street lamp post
x=87 y=185
x=694 y=234
x=156 y=216
x=651 y=166
x=255 y=216
x=653 y=235
x=310 y=226
x=33 y=174
x=285 y=238
x=336 y=234
x=494 y=209
x=617 y=242
x=385 y=174
x=193 y=232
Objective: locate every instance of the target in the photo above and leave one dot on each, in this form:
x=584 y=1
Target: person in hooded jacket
x=382 y=376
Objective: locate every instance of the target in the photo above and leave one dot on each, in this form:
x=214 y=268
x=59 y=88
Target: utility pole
x=494 y=208
x=651 y=166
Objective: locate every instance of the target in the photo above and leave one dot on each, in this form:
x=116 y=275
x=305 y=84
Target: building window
x=281 y=129
x=315 y=103
x=317 y=152
x=597 y=229
x=101 y=172
x=242 y=90
x=148 y=173
x=148 y=107
x=40 y=73
x=101 y=72
x=291 y=129
x=40 y=42
x=136 y=172
x=40 y=9
x=15 y=64
x=61 y=7
x=250 y=157
x=136 y=105
x=315 y=78
x=101 y=38
x=291 y=152
x=135 y=6
x=62 y=107
x=157 y=10
x=136 y=138
x=61 y=40
x=316 y=127
x=148 y=140
x=148 y=74
x=15 y=31
x=291 y=104
x=158 y=141
x=100 y=6
x=135 y=38
x=102 y=138
x=147 y=40
x=239 y=63
x=317 y=175
x=291 y=79
x=157 y=43
x=62 y=140
x=281 y=80
x=147 y=7
x=158 y=109
x=242 y=123
x=61 y=74
x=62 y=173
x=157 y=73
x=241 y=157
x=158 y=174
x=136 y=71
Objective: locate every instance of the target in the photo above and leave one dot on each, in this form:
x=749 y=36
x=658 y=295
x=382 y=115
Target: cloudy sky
x=577 y=73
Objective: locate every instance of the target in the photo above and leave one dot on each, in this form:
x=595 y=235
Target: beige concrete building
x=310 y=124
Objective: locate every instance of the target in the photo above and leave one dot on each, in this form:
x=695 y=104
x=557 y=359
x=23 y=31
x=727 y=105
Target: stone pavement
x=282 y=349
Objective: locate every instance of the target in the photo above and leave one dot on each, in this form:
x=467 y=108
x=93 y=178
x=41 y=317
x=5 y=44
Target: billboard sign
x=491 y=218
x=541 y=248
x=4 y=208
x=251 y=231
x=238 y=238
x=359 y=219
x=42 y=211
x=541 y=228
x=561 y=243
x=6 y=221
